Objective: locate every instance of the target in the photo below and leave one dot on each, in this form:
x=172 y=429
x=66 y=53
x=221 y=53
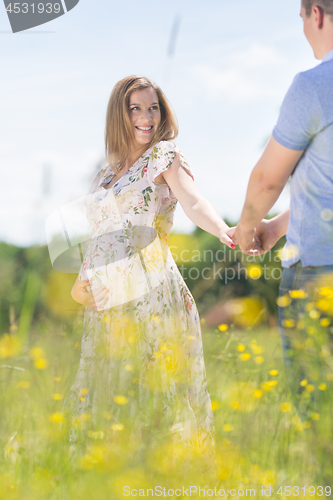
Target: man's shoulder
x=317 y=76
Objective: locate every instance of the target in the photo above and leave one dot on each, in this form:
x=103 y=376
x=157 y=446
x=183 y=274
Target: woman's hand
x=226 y=237
x=94 y=301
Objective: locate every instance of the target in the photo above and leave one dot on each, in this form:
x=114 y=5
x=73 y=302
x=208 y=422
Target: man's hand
x=268 y=232
x=94 y=301
x=266 y=235
x=245 y=239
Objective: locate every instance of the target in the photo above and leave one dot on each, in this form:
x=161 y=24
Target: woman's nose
x=146 y=114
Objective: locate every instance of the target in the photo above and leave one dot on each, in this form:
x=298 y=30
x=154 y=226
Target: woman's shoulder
x=165 y=146
x=163 y=149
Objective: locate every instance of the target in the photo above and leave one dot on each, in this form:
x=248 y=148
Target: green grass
x=260 y=440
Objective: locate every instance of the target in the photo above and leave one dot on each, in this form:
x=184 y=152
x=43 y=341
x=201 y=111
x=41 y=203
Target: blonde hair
x=118 y=131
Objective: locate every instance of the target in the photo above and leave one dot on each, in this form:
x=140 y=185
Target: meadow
x=260 y=440
x=262 y=446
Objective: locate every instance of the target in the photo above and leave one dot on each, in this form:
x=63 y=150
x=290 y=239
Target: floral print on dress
x=155 y=332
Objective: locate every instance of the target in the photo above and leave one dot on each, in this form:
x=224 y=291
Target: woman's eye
x=154 y=107
x=135 y=108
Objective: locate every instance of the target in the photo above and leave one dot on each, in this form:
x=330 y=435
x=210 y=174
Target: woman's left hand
x=226 y=237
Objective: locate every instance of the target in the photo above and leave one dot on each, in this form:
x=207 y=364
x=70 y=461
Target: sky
x=231 y=66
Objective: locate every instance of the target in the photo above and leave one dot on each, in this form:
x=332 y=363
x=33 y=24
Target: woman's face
x=144 y=115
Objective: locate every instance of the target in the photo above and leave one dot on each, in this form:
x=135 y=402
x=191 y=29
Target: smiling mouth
x=145 y=129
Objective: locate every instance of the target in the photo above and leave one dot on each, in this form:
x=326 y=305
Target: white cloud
x=232 y=84
x=257 y=55
x=242 y=76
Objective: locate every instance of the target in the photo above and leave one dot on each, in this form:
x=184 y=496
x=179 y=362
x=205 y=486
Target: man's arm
x=266 y=183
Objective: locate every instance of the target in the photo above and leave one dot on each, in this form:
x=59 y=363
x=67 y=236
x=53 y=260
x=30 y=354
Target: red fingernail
x=233 y=246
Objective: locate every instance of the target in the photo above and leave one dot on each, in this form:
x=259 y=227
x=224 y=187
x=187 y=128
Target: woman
x=142 y=365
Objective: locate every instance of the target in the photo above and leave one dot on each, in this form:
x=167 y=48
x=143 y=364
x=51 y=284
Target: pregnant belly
x=129 y=265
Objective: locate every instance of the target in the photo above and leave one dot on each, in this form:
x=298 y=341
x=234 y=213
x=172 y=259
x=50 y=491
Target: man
x=301 y=146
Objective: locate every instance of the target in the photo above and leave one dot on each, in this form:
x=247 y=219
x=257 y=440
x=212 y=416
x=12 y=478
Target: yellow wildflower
x=235 y=405
x=241 y=348
x=254 y=272
x=259 y=360
x=268 y=385
x=120 y=400
x=10 y=346
x=286 y=407
x=288 y=323
x=223 y=327
x=303 y=383
x=310 y=388
x=314 y=314
x=244 y=356
x=128 y=367
x=57 y=417
x=258 y=393
x=117 y=427
x=41 y=363
x=215 y=405
x=283 y=301
x=322 y=387
x=57 y=397
x=323 y=304
x=326 y=291
x=257 y=349
x=227 y=428
x=298 y=294
x=273 y=372
x=325 y=322
x=315 y=416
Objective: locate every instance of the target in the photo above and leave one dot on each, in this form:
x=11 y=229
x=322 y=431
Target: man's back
x=306 y=122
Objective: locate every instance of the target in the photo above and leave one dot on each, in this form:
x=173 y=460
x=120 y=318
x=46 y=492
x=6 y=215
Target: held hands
x=95 y=300
x=255 y=241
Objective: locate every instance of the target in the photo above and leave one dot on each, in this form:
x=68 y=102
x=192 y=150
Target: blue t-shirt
x=306 y=122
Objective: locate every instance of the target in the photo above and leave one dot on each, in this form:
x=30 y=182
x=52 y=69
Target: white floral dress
x=142 y=354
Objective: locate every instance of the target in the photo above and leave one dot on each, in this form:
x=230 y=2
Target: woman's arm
x=94 y=301
x=196 y=207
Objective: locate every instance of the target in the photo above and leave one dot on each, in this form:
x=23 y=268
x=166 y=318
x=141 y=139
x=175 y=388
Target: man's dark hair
x=326 y=5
